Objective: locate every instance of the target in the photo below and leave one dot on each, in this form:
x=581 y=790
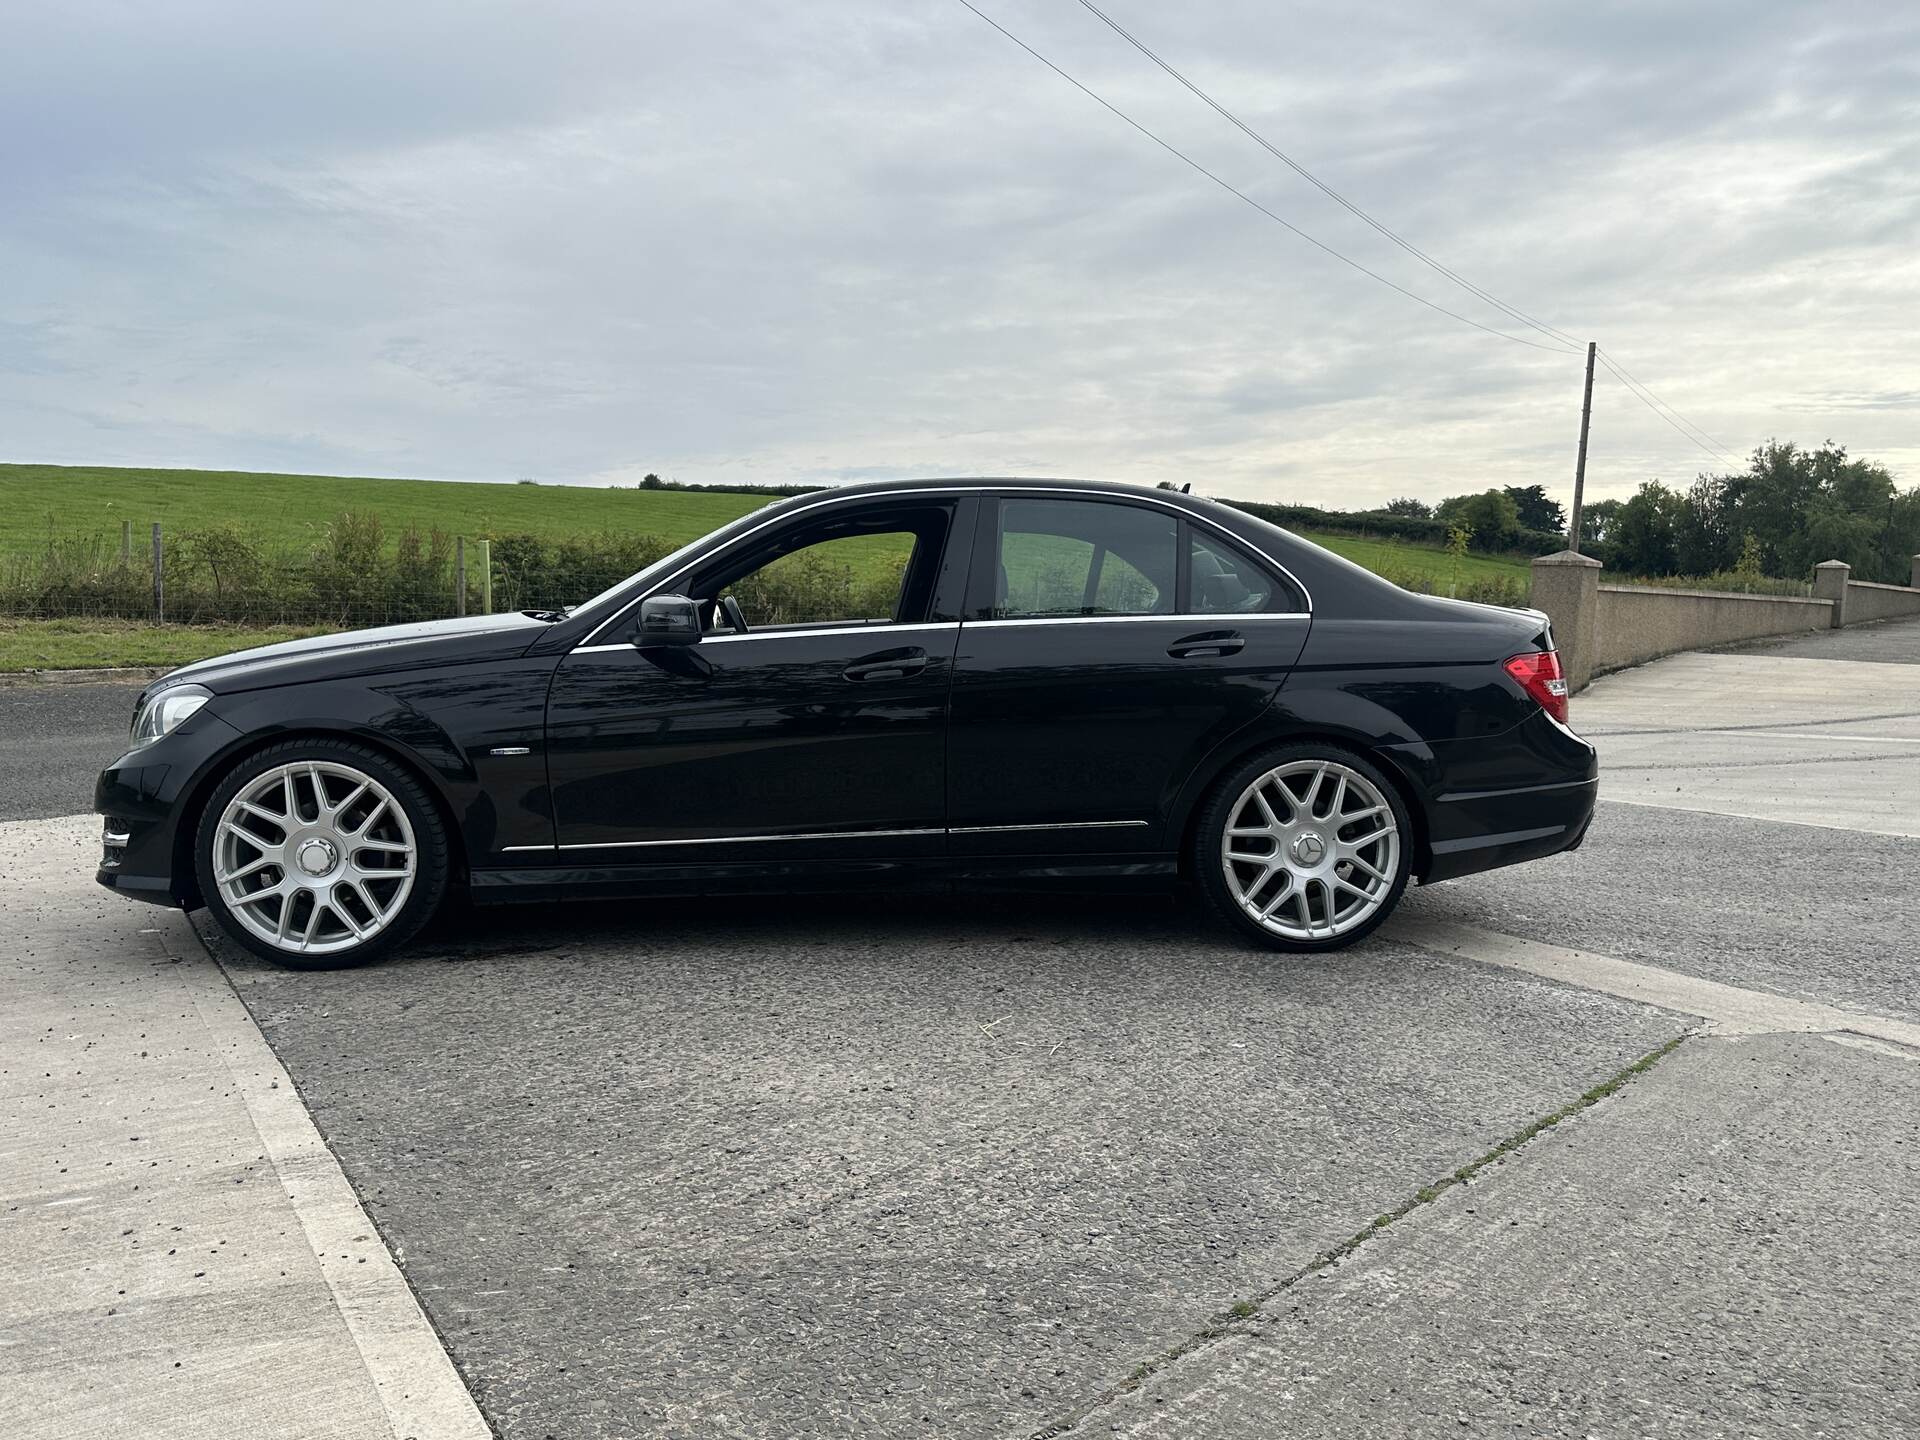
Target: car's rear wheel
x=317 y=854
x=1304 y=847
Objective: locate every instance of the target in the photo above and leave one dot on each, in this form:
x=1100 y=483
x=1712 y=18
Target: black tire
x=430 y=862
x=1216 y=813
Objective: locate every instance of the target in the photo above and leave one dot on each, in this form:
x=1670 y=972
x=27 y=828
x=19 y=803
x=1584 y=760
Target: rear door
x=1108 y=645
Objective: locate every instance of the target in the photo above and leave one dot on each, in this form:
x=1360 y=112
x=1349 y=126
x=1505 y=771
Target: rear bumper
x=1485 y=831
x=1505 y=799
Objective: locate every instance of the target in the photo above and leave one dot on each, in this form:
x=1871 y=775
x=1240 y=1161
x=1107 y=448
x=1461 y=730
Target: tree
x=1490 y=517
x=1411 y=508
x=1537 y=510
x=1643 y=533
x=1597 y=521
x=1704 y=539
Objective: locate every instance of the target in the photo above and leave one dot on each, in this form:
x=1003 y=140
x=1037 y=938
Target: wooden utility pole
x=1580 y=465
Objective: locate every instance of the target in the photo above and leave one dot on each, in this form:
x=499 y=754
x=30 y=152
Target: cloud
x=767 y=242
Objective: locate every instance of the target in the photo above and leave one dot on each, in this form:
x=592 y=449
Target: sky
x=777 y=242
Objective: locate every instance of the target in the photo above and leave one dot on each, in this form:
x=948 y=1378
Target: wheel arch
x=1207 y=777
x=194 y=804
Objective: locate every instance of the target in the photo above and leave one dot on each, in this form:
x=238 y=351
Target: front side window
x=1084 y=557
x=870 y=567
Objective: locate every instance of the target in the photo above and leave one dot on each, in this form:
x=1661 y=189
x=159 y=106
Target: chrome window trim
x=799 y=632
x=1220 y=617
x=829 y=835
x=951 y=492
x=791 y=633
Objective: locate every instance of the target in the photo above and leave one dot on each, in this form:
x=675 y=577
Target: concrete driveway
x=1620 y=1143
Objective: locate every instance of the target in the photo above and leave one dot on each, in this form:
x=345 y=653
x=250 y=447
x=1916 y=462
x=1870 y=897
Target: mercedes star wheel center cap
x=1309 y=849
x=315 y=856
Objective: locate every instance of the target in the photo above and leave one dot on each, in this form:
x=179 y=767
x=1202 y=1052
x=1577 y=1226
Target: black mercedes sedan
x=1052 y=681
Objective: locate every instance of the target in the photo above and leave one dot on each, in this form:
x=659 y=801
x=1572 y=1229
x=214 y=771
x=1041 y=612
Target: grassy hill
x=290 y=509
x=293 y=509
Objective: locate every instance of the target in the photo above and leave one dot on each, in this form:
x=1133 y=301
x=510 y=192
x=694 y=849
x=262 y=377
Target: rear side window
x=1085 y=557
x=1225 y=581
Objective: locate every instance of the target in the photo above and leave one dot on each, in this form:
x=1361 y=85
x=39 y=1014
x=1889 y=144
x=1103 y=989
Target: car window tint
x=1224 y=581
x=849 y=580
x=1076 y=557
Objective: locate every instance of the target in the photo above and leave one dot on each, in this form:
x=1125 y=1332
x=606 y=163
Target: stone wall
x=1608 y=627
x=1633 y=624
x=1866 y=601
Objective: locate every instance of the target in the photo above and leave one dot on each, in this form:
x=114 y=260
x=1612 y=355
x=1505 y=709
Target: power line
x=1639 y=389
x=1653 y=403
x=1324 y=188
x=1626 y=375
x=1242 y=195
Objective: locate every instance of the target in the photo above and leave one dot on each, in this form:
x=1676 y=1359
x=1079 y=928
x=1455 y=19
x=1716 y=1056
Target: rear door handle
x=888 y=665
x=1210 y=643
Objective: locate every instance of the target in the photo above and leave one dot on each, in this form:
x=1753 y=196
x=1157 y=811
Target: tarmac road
x=59 y=735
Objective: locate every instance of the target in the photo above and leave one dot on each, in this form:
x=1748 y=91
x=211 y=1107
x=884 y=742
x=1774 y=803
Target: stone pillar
x=1914 y=580
x=1567 y=587
x=1830 y=583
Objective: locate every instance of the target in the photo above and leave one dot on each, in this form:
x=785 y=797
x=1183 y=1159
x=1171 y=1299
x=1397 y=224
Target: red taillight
x=1540 y=676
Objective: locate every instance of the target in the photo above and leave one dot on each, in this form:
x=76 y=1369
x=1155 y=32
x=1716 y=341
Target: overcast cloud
x=804 y=242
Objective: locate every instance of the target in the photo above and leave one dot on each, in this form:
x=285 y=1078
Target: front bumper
x=141 y=797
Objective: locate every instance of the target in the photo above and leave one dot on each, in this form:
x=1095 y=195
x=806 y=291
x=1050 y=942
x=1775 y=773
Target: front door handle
x=888 y=665
x=1209 y=643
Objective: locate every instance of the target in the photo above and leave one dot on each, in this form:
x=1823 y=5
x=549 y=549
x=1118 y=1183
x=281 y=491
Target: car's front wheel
x=1304 y=847
x=320 y=853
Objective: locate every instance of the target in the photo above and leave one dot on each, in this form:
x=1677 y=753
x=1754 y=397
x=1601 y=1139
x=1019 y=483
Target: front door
x=1109 y=646
x=809 y=722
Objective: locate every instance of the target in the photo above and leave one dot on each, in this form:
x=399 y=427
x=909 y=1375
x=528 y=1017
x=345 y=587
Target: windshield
x=666 y=564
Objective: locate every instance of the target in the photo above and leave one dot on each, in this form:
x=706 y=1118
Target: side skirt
x=1020 y=872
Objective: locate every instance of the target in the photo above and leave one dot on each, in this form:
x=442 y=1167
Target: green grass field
x=104 y=644
x=290 y=511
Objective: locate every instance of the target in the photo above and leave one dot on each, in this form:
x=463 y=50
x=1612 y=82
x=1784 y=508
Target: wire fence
x=356 y=576
x=353 y=576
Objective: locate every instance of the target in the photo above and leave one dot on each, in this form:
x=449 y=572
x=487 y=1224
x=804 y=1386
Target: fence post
x=1830 y=583
x=1914 y=579
x=1567 y=586
x=486 y=577
x=459 y=575
x=159 y=578
x=126 y=544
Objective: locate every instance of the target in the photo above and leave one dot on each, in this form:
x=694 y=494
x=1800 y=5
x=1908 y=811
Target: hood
x=361 y=652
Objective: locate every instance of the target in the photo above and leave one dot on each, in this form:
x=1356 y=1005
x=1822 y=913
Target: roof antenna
x=1187 y=489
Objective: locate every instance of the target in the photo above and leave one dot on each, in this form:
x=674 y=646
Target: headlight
x=166 y=712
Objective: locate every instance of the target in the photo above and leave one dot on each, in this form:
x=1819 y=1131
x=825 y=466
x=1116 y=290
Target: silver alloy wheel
x=1311 y=849
x=314 y=857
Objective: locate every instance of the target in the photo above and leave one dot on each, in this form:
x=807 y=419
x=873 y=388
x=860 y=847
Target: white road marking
x=1698 y=809
x=1728 y=1009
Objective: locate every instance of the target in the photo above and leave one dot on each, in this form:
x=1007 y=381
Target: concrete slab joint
x=1566 y=585
x=1830 y=583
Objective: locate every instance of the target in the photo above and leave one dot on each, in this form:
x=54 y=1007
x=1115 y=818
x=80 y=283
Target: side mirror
x=667 y=620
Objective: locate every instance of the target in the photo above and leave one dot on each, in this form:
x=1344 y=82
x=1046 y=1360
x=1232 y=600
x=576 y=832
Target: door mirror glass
x=667 y=620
